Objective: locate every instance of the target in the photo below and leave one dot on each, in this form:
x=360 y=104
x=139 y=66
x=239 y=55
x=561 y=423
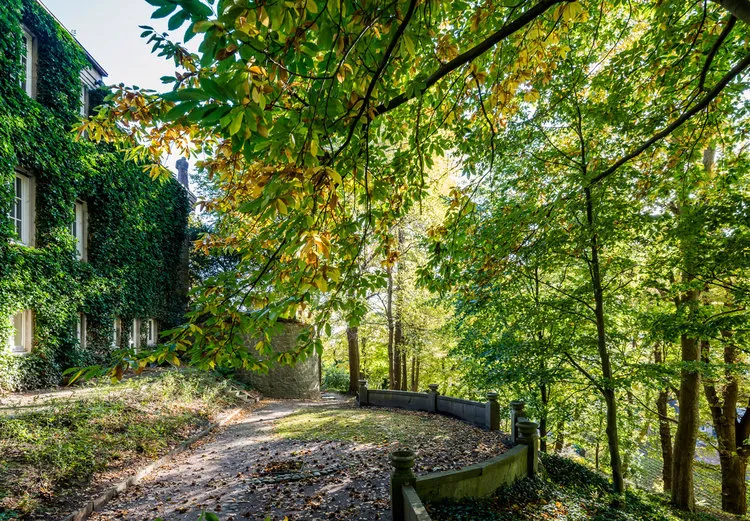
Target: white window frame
x=28 y=62
x=152 y=334
x=81 y=330
x=27 y=333
x=134 y=337
x=79 y=229
x=116 y=332
x=22 y=210
x=84 y=100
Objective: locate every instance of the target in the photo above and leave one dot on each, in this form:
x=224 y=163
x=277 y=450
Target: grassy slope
x=66 y=444
x=571 y=492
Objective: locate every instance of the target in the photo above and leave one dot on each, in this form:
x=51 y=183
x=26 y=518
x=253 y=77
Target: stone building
x=92 y=252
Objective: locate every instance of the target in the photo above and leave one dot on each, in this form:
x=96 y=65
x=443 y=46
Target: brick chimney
x=182 y=172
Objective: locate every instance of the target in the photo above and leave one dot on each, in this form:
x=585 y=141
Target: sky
x=109 y=31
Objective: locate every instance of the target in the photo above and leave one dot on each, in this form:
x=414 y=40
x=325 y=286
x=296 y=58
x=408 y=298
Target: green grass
x=359 y=425
x=571 y=492
x=63 y=445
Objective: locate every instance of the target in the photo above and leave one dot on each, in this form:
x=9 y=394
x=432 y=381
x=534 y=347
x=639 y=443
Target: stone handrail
x=480 y=480
x=483 y=414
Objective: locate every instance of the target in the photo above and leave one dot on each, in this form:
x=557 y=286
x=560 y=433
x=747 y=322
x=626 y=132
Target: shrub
x=335 y=378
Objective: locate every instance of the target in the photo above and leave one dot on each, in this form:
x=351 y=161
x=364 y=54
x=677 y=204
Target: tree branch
x=739 y=8
x=473 y=53
x=714 y=49
x=702 y=104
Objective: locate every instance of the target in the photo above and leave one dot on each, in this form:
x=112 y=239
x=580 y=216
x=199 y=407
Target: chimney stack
x=182 y=172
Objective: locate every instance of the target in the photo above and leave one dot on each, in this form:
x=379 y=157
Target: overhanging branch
x=473 y=53
x=702 y=104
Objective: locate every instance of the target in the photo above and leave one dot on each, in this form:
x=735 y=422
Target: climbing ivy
x=137 y=227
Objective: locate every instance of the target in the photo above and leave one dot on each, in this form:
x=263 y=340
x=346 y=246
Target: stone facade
x=301 y=380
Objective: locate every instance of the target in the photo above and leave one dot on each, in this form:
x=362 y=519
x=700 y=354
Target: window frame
x=79 y=229
x=152 y=333
x=28 y=63
x=27 y=333
x=28 y=210
x=81 y=330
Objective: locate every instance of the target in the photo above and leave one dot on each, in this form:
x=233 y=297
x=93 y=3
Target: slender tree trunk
x=607 y=387
x=389 y=317
x=352 y=338
x=415 y=374
x=404 y=370
x=559 y=437
x=398 y=349
x=730 y=432
x=665 y=433
x=683 y=495
x=544 y=390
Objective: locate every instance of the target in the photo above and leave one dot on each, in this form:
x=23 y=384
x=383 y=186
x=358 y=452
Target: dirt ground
x=247 y=472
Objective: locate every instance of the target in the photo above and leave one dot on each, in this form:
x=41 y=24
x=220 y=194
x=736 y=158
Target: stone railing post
x=517 y=412
x=530 y=436
x=362 y=396
x=432 y=395
x=492 y=412
x=402 y=475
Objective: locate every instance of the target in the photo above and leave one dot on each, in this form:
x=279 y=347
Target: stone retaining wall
x=483 y=414
x=480 y=480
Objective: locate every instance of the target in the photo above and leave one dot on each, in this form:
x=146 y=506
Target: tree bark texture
x=731 y=432
x=665 y=432
x=352 y=338
x=607 y=388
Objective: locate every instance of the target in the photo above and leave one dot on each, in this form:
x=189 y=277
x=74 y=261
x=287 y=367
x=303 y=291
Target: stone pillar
x=432 y=395
x=492 y=412
x=401 y=475
x=530 y=436
x=362 y=396
x=517 y=412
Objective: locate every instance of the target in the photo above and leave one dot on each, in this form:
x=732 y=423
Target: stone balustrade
x=481 y=480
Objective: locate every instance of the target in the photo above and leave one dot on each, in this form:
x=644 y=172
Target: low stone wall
x=398 y=399
x=483 y=414
x=414 y=510
x=467 y=410
x=480 y=480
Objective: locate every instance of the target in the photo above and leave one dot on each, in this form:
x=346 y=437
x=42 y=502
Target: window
x=84 y=100
x=116 y=332
x=81 y=330
x=153 y=332
x=78 y=229
x=21 y=337
x=27 y=63
x=134 y=334
x=21 y=211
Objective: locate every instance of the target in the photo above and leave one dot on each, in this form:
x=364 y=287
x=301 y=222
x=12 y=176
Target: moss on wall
x=137 y=227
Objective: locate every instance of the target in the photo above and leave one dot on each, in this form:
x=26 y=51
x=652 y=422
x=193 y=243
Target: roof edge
x=91 y=59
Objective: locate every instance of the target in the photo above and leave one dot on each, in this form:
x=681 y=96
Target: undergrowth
x=570 y=492
x=63 y=444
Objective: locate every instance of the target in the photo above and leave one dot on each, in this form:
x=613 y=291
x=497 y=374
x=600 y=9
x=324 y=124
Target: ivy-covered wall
x=137 y=227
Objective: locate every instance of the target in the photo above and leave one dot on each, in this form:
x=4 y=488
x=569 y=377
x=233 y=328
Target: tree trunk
x=404 y=370
x=543 y=389
x=414 y=374
x=730 y=433
x=665 y=433
x=389 y=318
x=559 y=437
x=352 y=338
x=398 y=348
x=607 y=386
x=683 y=495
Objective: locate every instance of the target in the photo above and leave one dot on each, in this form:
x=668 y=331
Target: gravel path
x=245 y=472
